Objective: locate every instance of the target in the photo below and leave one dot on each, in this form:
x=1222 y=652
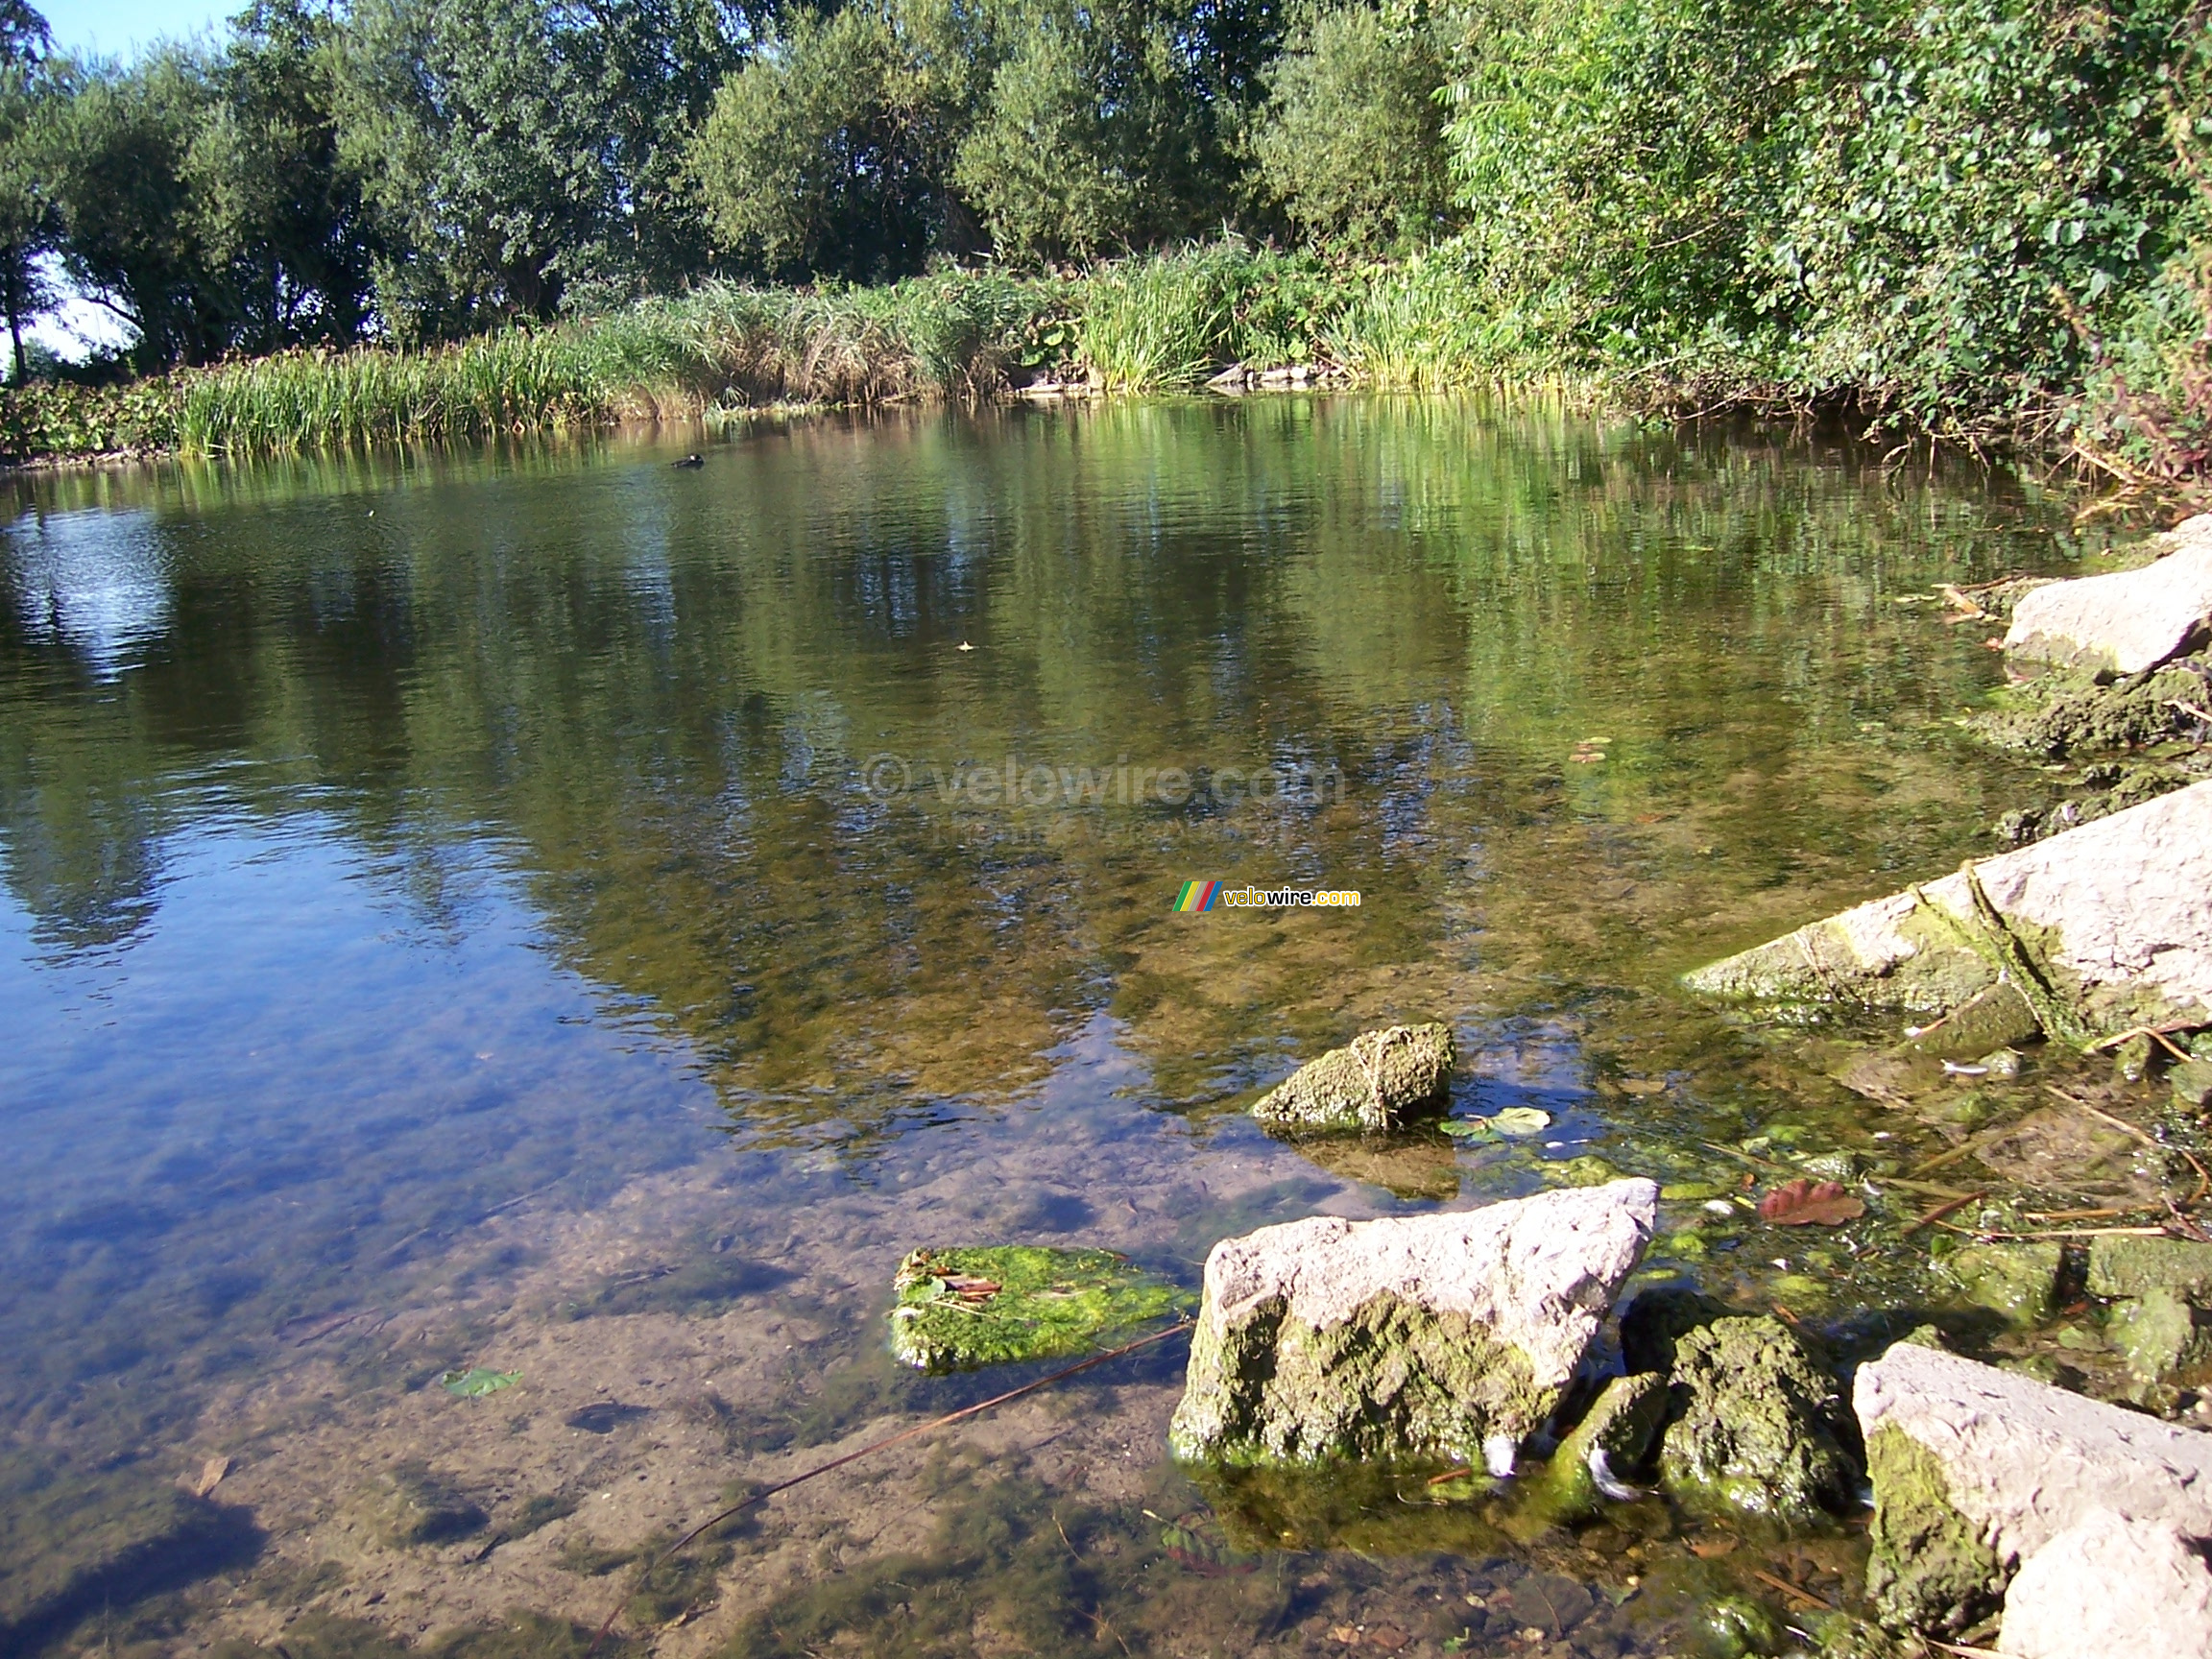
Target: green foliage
x=1879 y=201
x=828 y=152
x=1095 y=137
x=516 y=154
x=1351 y=140
x=62 y=418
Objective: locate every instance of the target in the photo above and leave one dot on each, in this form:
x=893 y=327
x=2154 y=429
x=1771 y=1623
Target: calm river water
x=557 y=913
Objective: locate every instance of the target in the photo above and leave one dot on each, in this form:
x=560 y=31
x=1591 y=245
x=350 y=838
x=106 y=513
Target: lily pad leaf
x=1803 y=1203
x=1518 y=1122
x=1467 y=1128
x=478 y=1382
x=998 y=1304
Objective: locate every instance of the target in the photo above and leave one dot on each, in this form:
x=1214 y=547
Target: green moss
x=999 y=1304
x=2063 y=713
x=1930 y=1569
x=1394 y=1380
x=1371 y=1083
x=1623 y=1422
x=2015 y=1280
x=2160 y=1334
x=2119 y=1267
x=1753 y=1422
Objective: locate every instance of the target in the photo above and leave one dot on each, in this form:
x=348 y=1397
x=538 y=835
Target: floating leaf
x=1803 y=1203
x=1519 y=1122
x=1467 y=1128
x=475 y=1383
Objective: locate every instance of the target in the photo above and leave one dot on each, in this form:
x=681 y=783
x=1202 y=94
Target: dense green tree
x=1096 y=134
x=28 y=222
x=830 y=152
x=268 y=202
x=115 y=157
x=1351 y=140
x=517 y=153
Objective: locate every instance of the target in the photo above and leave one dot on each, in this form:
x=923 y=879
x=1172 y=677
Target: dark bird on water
x=690 y=461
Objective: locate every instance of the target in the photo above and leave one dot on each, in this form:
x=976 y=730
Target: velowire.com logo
x=1219 y=895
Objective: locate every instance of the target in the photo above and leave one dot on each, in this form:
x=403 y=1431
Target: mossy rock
x=1377 y=1081
x=1752 y=1422
x=1930 y=1569
x=2015 y=1280
x=1622 y=1424
x=1658 y=1319
x=995 y=1305
x=2161 y=1334
x=1395 y=1381
x=2122 y=1266
x=1996 y=1018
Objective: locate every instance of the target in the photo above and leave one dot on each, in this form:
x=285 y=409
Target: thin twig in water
x=889 y=1440
x=2204 y=1179
x=1773 y=1581
x=1948 y=1207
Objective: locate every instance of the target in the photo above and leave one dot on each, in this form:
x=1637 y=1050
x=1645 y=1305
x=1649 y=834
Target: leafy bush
x=1884 y=199
x=1351 y=140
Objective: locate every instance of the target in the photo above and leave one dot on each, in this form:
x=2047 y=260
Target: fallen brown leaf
x=1387 y=1637
x=212 y=1474
x=1803 y=1203
x=1712 y=1549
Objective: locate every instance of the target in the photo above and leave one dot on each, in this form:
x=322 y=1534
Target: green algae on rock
x=1602 y=1451
x=995 y=1305
x=2015 y=1280
x=2136 y=1267
x=1931 y=1569
x=1373 y=1083
x=2088 y=954
x=1408 y=1337
x=1752 y=1422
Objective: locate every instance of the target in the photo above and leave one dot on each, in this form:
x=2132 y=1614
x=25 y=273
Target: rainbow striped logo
x=1197 y=895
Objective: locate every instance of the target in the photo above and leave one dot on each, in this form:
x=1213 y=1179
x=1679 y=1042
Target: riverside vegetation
x=1979 y=218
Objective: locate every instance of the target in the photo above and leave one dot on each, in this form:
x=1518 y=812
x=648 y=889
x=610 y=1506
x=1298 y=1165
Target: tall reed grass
x=1161 y=323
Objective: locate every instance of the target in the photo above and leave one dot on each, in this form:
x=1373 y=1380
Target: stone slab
x=2116 y=916
x=2024 y=1461
x=1445 y=1334
x=2127 y=622
x=2110 y=1585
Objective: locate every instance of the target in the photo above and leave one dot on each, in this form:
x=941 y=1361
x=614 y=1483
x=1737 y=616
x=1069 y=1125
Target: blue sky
x=116 y=28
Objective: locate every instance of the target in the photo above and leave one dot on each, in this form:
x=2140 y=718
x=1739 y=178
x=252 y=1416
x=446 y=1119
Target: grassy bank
x=1153 y=324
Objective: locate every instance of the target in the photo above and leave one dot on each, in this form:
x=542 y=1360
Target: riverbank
x=1162 y=324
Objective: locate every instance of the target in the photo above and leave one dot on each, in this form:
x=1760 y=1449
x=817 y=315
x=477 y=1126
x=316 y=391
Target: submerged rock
x=2125 y=1267
x=1371 y=1083
x=410 y=1503
x=1602 y=1454
x=2161 y=1334
x=997 y=1304
x=1406 y=1338
x=2015 y=1280
x=1751 y=1422
x=1976 y=1469
x=2128 y=621
x=2109 y=1585
x=2102 y=928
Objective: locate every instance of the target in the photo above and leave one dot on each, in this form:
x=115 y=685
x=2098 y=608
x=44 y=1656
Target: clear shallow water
x=551 y=910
